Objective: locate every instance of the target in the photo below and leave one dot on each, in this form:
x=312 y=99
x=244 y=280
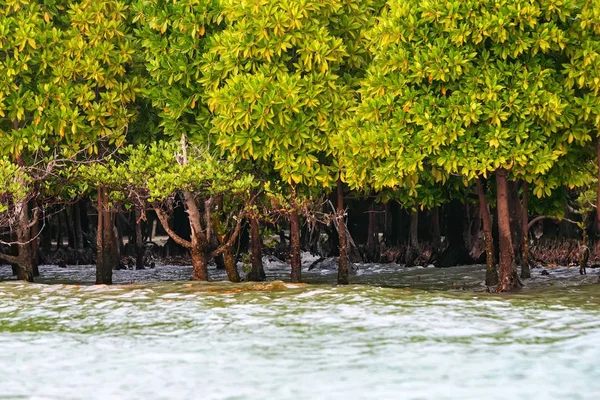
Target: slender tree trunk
x=107 y=254
x=258 y=272
x=25 y=264
x=584 y=250
x=69 y=222
x=139 y=243
x=598 y=191
x=199 y=241
x=508 y=278
x=414 y=230
x=59 y=231
x=35 y=247
x=77 y=226
x=514 y=204
x=230 y=261
x=412 y=250
x=372 y=234
x=388 y=226
x=435 y=229
x=199 y=262
x=525 y=272
x=100 y=275
x=46 y=236
x=296 y=261
x=25 y=257
x=491 y=273
x=343 y=261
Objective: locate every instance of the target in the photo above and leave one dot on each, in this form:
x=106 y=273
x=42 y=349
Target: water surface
x=163 y=340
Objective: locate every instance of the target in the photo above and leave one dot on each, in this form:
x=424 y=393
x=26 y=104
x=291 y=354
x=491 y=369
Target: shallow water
x=183 y=340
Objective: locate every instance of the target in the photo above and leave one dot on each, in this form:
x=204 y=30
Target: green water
x=182 y=340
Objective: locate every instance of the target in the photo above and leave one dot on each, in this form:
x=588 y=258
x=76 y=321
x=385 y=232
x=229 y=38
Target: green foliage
x=13 y=184
x=63 y=75
x=463 y=87
x=157 y=172
x=279 y=78
x=173 y=37
x=411 y=100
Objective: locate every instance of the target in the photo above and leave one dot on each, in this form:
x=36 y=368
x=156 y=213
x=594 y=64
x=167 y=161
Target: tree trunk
x=199 y=263
x=525 y=272
x=107 y=251
x=59 y=231
x=295 y=259
x=69 y=222
x=35 y=247
x=388 y=227
x=230 y=261
x=25 y=264
x=46 y=236
x=77 y=226
x=435 y=229
x=412 y=250
x=508 y=278
x=139 y=243
x=198 y=238
x=598 y=190
x=413 y=241
x=343 y=260
x=491 y=273
x=584 y=250
x=514 y=204
x=258 y=272
x=372 y=235
x=25 y=257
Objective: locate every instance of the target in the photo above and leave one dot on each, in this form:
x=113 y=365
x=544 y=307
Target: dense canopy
x=252 y=111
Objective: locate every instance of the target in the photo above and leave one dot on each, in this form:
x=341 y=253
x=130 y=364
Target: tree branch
x=9 y=259
x=542 y=217
x=164 y=221
x=232 y=238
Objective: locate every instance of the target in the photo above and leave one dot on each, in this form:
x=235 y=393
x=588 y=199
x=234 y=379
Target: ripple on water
x=182 y=340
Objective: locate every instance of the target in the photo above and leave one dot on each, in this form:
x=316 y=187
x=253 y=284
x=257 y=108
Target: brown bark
x=69 y=223
x=295 y=259
x=491 y=273
x=107 y=250
x=77 y=226
x=24 y=260
x=525 y=272
x=230 y=261
x=199 y=241
x=542 y=217
x=412 y=250
x=387 y=234
x=507 y=271
x=35 y=246
x=199 y=264
x=59 y=232
x=514 y=204
x=435 y=229
x=139 y=243
x=413 y=240
x=258 y=272
x=197 y=246
x=598 y=189
x=226 y=242
x=584 y=250
x=343 y=261
x=372 y=235
x=164 y=221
